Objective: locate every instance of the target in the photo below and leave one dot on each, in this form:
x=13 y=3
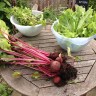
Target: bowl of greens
x=75 y=29
x=28 y=22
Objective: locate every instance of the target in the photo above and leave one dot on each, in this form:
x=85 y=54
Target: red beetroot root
x=55 y=66
x=56 y=80
x=53 y=55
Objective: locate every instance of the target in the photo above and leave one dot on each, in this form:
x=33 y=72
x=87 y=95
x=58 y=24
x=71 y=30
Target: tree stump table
x=86 y=66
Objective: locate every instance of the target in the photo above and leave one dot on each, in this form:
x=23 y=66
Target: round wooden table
x=86 y=66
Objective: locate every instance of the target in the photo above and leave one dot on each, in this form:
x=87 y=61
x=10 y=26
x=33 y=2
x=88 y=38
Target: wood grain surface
x=86 y=66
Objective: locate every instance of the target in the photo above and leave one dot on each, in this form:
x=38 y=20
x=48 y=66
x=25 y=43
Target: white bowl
x=28 y=30
x=75 y=44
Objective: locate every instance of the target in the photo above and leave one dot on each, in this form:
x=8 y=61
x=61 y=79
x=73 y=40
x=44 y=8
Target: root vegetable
x=59 y=59
x=53 y=55
x=56 y=80
x=55 y=66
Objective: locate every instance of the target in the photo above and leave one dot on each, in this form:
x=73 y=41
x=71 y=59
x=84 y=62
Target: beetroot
x=59 y=59
x=54 y=55
x=56 y=80
x=55 y=66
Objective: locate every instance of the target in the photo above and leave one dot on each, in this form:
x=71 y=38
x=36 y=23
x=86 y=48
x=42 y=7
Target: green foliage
x=5 y=4
x=49 y=14
x=3 y=26
x=80 y=23
x=92 y=3
x=23 y=3
x=3 y=42
x=24 y=16
x=16 y=74
x=5 y=90
x=36 y=75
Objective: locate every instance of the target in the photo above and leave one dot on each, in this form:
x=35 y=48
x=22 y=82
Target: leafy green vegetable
x=36 y=75
x=16 y=74
x=3 y=26
x=49 y=14
x=4 y=42
x=24 y=16
x=5 y=90
x=80 y=23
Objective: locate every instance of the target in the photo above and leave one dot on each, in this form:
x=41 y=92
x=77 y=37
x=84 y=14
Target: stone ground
x=14 y=93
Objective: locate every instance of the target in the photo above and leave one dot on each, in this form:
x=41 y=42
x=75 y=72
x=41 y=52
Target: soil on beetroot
x=67 y=72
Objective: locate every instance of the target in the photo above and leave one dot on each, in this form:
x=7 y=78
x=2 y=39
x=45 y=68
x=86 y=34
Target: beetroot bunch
x=52 y=65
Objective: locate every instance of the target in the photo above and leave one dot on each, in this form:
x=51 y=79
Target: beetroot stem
x=29 y=46
x=23 y=59
x=15 y=53
x=33 y=52
x=29 y=63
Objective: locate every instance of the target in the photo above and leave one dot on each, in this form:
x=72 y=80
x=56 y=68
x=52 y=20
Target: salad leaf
x=24 y=16
x=16 y=74
x=80 y=23
x=36 y=75
x=4 y=44
x=3 y=26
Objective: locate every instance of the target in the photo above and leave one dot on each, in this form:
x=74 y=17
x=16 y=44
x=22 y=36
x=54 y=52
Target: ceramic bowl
x=75 y=44
x=27 y=30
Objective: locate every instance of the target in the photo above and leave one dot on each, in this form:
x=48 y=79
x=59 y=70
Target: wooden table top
x=86 y=66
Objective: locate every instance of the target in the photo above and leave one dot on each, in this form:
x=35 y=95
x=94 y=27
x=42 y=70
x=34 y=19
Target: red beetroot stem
x=29 y=46
x=40 y=70
x=15 y=53
x=29 y=63
x=24 y=59
x=45 y=71
x=38 y=55
x=41 y=56
x=33 y=52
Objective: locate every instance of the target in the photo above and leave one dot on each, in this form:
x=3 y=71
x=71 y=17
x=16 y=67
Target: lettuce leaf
x=80 y=23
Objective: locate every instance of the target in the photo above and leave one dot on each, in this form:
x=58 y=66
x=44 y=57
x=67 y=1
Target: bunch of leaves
x=24 y=3
x=49 y=14
x=80 y=23
x=3 y=42
x=92 y=3
x=5 y=4
x=5 y=90
x=24 y=16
